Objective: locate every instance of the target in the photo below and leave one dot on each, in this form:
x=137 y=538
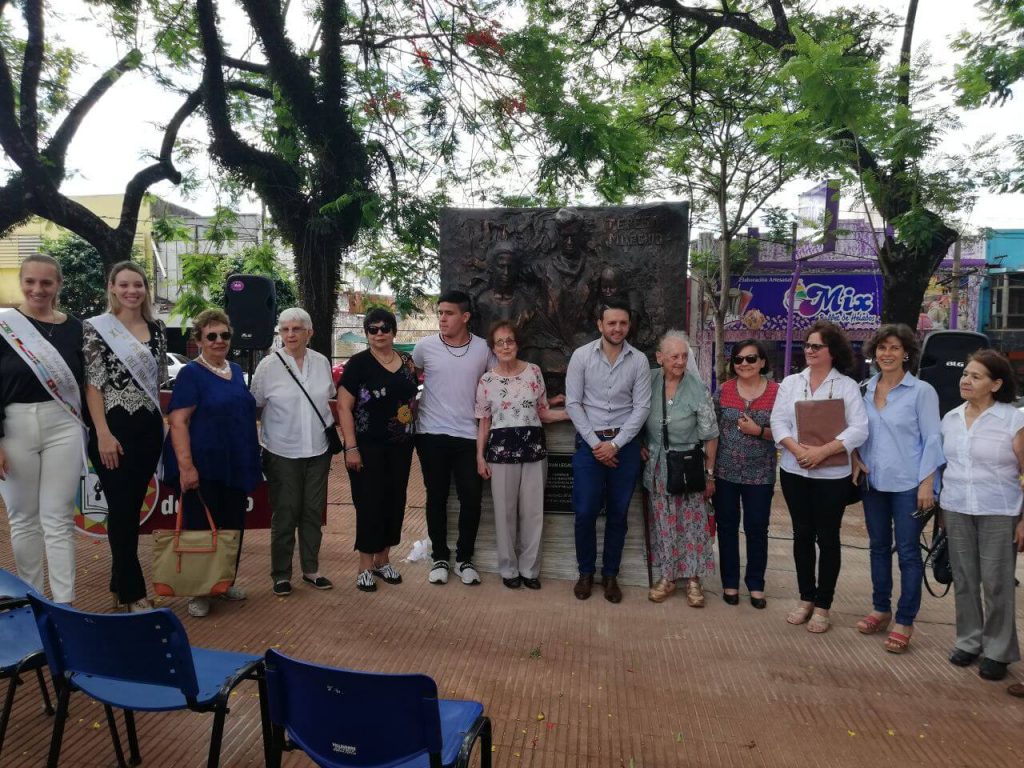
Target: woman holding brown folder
x=818 y=418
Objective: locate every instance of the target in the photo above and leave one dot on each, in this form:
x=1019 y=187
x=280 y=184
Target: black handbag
x=334 y=444
x=684 y=469
x=937 y=560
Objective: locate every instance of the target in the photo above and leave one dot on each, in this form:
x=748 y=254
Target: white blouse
x=981 y=475
x=289 y=426
x=836 y=385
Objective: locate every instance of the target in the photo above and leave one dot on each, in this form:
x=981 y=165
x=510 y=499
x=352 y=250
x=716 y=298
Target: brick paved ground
x=571 y=683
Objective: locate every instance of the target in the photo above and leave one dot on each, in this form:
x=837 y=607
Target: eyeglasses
x=815 y=347
x=751 y=359
x=373 y=330
x=223 y=336
x=506 y=342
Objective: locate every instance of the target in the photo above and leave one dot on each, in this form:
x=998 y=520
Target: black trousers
x=378 y=493
x=141 y=436
x=816 y=508
x=443 y=457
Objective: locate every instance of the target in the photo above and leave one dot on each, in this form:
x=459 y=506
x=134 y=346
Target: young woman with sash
x=126 y=360
x=42 y=449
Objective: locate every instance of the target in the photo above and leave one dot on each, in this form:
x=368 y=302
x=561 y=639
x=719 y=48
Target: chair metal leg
x=216 y=737
x=114 y=737
x=485 y=744
x=63 y=694
x=134 y=758
x=276 y=746
x=261 y=682
x=481 y=729
x=47 y=706
x=5 y=715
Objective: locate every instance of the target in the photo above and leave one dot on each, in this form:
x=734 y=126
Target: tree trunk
x=318 y=271
x=907 y=270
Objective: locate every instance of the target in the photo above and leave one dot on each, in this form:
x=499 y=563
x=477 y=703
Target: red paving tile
x=571 y=684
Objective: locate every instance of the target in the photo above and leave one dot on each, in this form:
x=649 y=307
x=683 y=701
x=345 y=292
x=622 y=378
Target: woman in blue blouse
x=898 y=463
x=213 y=446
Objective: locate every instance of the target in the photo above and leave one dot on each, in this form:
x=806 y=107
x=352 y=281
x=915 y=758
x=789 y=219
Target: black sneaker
x=514 y=583
x=962 y=658
x=990 y=669
x=320 y=582
x=282 y=588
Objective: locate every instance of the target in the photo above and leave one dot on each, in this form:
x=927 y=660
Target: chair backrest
x=340 y=717
x=12 y=587
x=150 y=647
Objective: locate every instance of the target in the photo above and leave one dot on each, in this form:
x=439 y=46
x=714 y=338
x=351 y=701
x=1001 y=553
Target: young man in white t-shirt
x=452 y=363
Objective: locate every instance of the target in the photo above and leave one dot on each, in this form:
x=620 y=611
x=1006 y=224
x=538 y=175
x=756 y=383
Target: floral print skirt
x=682 y=529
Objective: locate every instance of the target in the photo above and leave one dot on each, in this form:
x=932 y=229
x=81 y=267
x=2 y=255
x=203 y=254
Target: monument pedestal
x=558 y=550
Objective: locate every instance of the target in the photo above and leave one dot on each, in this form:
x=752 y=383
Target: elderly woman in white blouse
x=296 y=459
x=983 y=440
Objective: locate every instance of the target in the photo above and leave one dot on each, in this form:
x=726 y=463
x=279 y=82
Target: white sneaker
x=439 y=572
x=199 y=607
x=467 y=571
x=234 y=593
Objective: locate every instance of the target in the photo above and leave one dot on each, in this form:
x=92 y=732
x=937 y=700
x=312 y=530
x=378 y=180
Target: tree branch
x=331 y=83
x=30 y=69
x=903 y=83
x=245 y=66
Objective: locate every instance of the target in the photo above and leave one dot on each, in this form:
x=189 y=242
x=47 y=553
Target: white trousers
x=518 y=494
x=43 y=445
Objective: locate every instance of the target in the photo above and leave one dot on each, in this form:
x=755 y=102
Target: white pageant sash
x=135 y=355
x=43 y=360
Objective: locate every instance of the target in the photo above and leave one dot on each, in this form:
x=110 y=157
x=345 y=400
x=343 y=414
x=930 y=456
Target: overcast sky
x=112 y=141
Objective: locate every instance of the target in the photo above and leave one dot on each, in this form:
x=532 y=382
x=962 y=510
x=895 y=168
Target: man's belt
x=607 y=434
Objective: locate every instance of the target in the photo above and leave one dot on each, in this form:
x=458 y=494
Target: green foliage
x=778 y=224
x=200 y=278
x=993 y=56
x=84 y=293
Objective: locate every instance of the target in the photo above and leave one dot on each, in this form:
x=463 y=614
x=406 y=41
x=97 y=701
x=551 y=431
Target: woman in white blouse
x=296 y=459
x=983 y=440
x=816 y=495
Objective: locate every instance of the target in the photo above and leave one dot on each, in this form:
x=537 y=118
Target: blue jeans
x=594 y=486
x=885 y=512
x=757 y=508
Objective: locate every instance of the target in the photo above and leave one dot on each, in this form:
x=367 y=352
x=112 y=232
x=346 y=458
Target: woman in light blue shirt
x=898 y=463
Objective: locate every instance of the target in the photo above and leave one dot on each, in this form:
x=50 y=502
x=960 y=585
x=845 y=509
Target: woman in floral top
x=511 y=403
x=376 y=409
x=745 y=470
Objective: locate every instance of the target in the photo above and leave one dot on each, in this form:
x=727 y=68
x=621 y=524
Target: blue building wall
x=1008 y=243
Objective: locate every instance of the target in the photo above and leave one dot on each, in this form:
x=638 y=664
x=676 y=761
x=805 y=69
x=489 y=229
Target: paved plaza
x=569 y=683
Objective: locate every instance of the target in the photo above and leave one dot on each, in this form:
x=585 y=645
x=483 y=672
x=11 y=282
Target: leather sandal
x=818 y=623
x=872 y=624
x=660 y=592
x=897 y=642
x=801 y=613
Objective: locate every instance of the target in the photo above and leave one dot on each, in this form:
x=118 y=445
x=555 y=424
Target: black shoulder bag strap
x=296 y=380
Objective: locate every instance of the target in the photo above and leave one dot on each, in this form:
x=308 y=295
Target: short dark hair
x=456 y=297
x=762 y=352
x=838 y=345
x=998 y=368
x=904 y=335
x=613 y=304
x=381 y=315
x=496 y=326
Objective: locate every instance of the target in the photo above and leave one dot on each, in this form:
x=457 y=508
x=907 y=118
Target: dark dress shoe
x=962 y=658
x=584 y=586
x=990 y=669
x=731 y=599
x=612 y=593
x=531 y=583
x=514 y=583
x=759 y=602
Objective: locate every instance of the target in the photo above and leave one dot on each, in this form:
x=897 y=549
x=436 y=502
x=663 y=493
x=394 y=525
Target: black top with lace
x=105 y=371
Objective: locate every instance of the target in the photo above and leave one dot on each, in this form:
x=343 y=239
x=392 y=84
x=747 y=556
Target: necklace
x=449 y=347
x=387 y=362
x=223 y=370
x=749 y=401
x=39 y=324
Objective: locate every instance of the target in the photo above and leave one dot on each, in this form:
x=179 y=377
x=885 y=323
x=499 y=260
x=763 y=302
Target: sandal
x=801 y=613
x=872 y=624
x=897 y=642
x=818 y=623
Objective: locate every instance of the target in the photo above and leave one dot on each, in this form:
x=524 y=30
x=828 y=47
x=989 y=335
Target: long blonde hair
x=113 y=304
x=44 y=258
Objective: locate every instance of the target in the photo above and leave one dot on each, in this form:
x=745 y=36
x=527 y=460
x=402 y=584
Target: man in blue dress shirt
x=608 y=397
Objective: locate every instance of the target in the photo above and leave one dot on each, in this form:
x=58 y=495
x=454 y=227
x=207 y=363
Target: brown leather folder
x=819 y=422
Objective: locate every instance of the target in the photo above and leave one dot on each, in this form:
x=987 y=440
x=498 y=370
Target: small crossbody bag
x=685 y=469
x=334 y=444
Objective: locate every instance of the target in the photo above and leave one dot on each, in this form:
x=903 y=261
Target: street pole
x=954 y=291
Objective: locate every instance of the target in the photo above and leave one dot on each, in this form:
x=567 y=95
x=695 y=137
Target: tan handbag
x=194 y=563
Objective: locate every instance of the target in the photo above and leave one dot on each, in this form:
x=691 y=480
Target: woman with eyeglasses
x=745 y=469
x=213 y=451
x=294 y=387
x=512 y=406
x=897 y=463
x=815 y=485
x=377 y=409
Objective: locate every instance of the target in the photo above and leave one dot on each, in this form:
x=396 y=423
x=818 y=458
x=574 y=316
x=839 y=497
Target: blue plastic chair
x=139 y=661
x=342 y=718
x=21 y=650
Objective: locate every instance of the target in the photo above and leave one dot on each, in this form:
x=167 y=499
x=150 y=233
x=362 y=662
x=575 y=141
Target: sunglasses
x=507 y=342
x=223 y=336
x=815 y=347
x=751 y=359
x=373 y=330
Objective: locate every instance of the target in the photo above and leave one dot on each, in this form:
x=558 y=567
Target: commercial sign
x=852 y=301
